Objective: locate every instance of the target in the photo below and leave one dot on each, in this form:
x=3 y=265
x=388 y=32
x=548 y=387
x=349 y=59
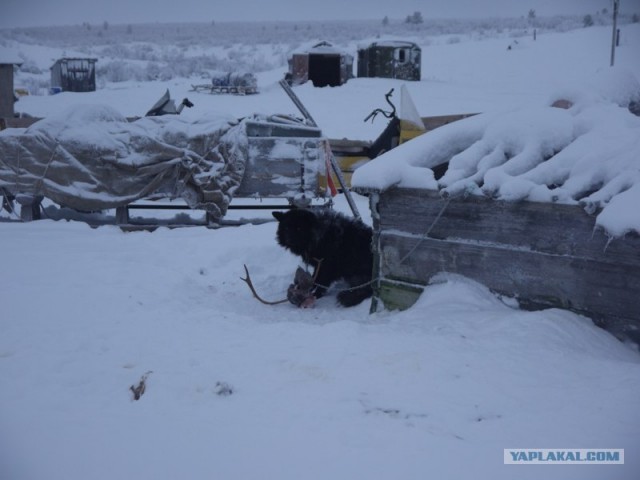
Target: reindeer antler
x=253 y=290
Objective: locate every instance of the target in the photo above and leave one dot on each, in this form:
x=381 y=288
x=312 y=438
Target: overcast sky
x=21 y=13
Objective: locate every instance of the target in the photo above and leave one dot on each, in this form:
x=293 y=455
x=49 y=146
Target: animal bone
x=253 y=290
x=299 y=292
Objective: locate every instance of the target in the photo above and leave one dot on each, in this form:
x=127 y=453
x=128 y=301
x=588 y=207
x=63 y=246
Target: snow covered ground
x=238 y=389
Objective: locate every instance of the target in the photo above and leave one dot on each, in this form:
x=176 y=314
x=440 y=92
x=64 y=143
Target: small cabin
x=390 y=59
x=322 y=64
x=530 y=216
x=7 y=94
x=74 y=75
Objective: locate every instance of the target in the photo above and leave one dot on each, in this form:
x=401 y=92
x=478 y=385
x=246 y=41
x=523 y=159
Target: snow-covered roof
x=9 y=56
x=393 y=44
x=588 y=154
x=73 y=59
x=322 y=47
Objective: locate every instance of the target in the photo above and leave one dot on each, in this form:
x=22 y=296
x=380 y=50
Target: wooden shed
x=322 y=64
x=7 y=94
x=390 y=59
x=554 y=253
x=74 y=75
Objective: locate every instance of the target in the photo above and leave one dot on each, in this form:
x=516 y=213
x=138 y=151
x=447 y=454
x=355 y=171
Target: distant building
x=323 y=64
x=7 y=95
x=74 y=75
x=390 y=59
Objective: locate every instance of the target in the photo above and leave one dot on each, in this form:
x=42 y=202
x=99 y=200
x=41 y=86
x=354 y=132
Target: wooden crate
x=284 y=160
x=545 y=255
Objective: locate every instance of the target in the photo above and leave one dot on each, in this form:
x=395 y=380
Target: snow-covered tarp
x=586 y=154
x=92 y=158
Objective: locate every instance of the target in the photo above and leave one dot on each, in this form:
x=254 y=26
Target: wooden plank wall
x=431 y=123
x=17 y=122
x=294 y=170
x=546 y=255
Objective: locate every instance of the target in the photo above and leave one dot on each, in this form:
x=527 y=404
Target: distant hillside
x=158 y=51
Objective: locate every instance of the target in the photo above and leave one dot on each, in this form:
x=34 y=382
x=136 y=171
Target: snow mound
x=587 y=154
x=611 y=85
x=458 y=305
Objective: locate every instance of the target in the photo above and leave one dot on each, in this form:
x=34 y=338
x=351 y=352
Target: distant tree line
x=415 y=18
x=164 y=51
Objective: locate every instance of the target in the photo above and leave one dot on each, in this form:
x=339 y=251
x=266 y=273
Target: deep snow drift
x=327 y=392
x=238 y=389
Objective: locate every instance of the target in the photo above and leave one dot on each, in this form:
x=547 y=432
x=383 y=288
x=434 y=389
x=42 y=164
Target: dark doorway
x=324 y=70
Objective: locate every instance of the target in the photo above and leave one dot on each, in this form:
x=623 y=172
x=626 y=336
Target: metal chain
x=424 y=236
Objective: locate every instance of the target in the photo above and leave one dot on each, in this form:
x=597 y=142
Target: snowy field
x=239 y=390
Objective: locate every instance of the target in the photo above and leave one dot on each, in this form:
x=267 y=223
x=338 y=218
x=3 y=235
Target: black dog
x=341 y=246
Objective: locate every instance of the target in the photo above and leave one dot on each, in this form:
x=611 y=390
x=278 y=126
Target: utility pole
x=616 y=5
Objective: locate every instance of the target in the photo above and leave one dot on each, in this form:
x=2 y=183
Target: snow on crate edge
x=621 y=215
x=588 y=154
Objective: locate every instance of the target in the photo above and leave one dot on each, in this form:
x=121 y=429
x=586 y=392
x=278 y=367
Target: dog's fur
x=341 y=245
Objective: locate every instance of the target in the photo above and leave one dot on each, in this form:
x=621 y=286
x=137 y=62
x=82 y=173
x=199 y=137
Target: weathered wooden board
x=281 y=167
x=281 y=129
x=545 y=255
x=431 y=123
x=344 y=146
x=17 y=122
x=556 y=229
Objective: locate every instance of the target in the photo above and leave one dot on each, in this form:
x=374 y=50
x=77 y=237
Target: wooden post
x=122 y=215
x=6 y=90
x=29 y=207
x=616 y=5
